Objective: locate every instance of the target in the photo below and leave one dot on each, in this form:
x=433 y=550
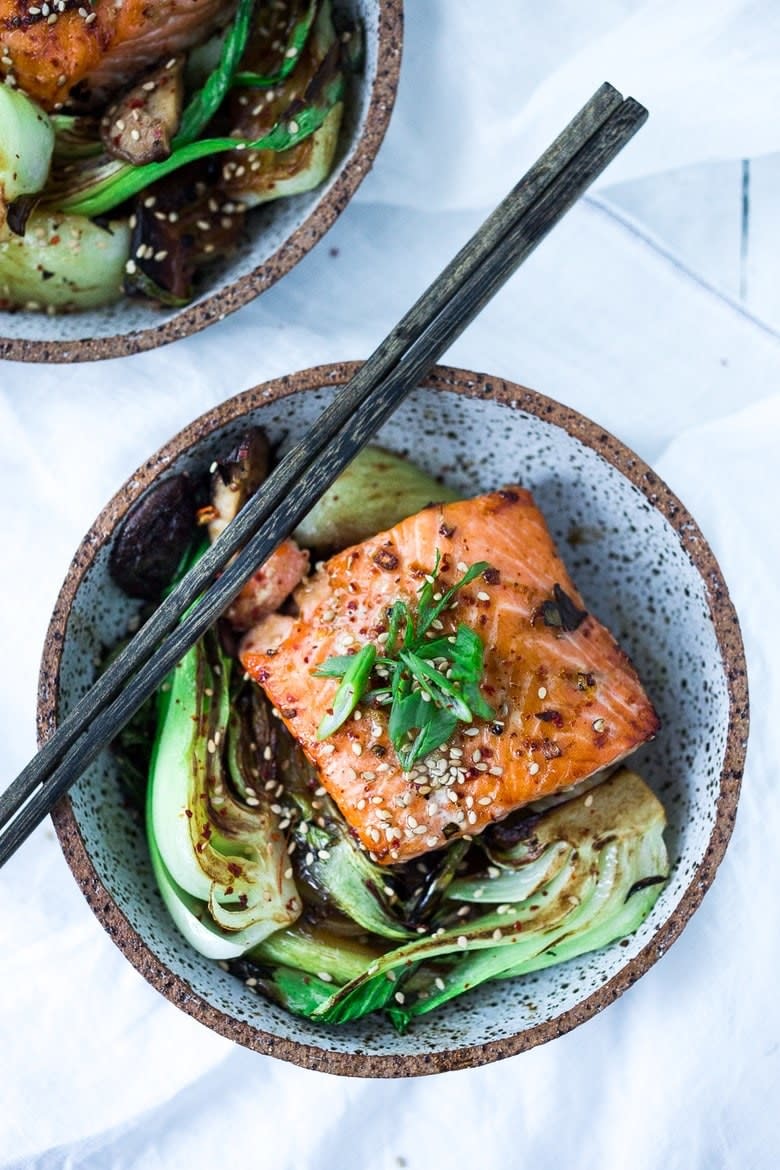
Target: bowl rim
x=227 y=300
x=727 y=632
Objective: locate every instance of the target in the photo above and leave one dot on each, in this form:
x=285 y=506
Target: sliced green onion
x=352 y=688
x=205 y=103
x=296 y=43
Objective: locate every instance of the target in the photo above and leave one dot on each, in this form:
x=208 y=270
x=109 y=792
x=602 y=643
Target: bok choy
x=579 y=877
x=220 y=859
x=26 y=145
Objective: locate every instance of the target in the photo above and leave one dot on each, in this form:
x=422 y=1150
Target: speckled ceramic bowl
x=280 y=233
x=643 y=568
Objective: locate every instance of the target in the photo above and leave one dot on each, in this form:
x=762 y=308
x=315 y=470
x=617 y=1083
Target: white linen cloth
x=98 y=1071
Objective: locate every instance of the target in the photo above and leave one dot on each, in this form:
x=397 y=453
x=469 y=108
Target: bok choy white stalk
x=26 y=145
x=221 y=861
x=63 y=261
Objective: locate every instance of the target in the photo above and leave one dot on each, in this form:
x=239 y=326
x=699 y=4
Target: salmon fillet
x=568 y=703
x=50 y=48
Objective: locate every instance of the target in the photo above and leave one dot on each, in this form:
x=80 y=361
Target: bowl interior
x=635 y=572
x=280 y=232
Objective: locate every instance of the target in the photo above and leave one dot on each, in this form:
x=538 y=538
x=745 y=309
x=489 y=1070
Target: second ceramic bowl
x=280 y=233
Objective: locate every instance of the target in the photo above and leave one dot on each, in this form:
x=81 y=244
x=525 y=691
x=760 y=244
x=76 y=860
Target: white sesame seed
x=482 y=596
x=325 y=976
x=462 y=940
x=588 y=800
x=542 y=692
x=533 y=768
x=598 y=725
x=357 y=749
x=471 y=731
x=439 y=983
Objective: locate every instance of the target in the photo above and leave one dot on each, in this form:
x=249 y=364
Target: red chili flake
x=235 y=869
x=492 y=576
x=447 y=530
x=54 y=240
x=549 y=716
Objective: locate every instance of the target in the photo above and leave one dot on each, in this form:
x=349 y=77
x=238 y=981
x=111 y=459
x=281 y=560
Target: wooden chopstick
x=579 y=154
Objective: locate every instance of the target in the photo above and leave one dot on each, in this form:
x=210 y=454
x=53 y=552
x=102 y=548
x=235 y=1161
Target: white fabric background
x=97 y=1070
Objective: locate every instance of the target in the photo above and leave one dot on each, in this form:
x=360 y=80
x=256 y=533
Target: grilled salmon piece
x=52 y=47
x=568 y=702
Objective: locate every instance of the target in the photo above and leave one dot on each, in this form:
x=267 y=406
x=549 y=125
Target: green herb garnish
x=430 y=682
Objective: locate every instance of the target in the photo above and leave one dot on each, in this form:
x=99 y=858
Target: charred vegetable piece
x=237 y=478
x=26 y=145
x=76 y=137
x=377 y=490
x=139 y=127
x=153 y=538
x=225 y=851
x=317 y=55
x=619 y=859
x=63 y=262
x=180 y=224
x=332 y=868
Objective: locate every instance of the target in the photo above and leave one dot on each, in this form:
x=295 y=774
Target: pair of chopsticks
x=542 y=197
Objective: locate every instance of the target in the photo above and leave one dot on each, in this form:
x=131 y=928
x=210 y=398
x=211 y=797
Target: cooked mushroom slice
x=235 y=480
x=180 y=224
x=153 y=539
x=138 y=128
